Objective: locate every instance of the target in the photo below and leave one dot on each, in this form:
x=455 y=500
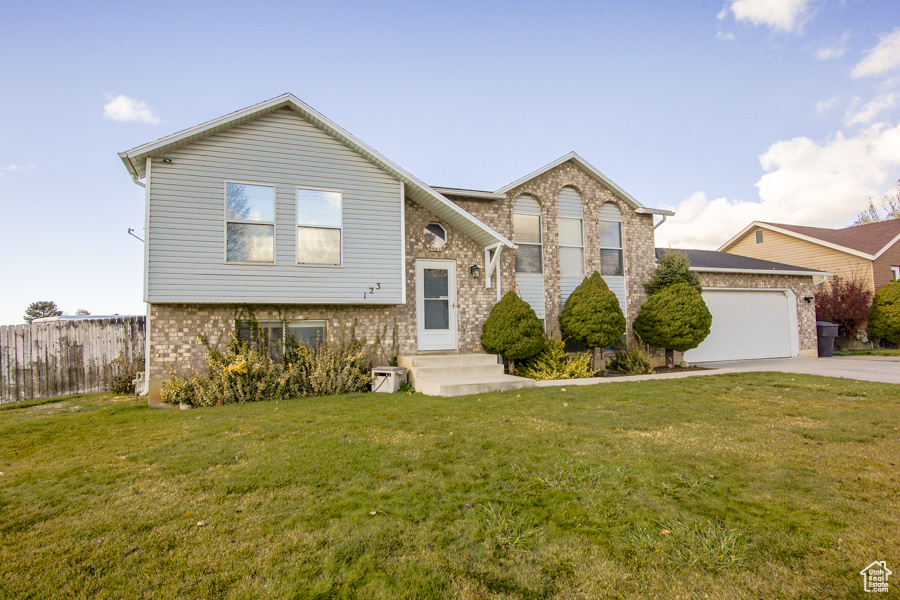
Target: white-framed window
x=279 y=335
x=610 y=241
x=527 y=234
x=249 y=223
x=895 y=273
x=319 y=226
x=571 y=247
x=435 y=236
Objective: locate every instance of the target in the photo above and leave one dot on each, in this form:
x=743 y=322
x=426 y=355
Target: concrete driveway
x=883 y=369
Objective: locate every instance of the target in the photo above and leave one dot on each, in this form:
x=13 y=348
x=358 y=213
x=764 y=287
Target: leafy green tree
x=592 y=314
x=41 y=309
x=672 y=267
x=513 y=330
x=884 y=322
x=674 y=318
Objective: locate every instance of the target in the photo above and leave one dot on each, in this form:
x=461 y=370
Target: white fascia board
x=887 y=246
x=799 y=236
x=760 y=272
x=586 y=166
x=469 y=193
x=655 y=211
x=739 y=235
x=421 y=193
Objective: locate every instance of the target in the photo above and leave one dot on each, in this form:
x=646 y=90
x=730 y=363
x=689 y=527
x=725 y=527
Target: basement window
x=278 y=336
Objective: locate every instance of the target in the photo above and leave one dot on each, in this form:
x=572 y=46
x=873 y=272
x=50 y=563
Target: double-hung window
x=527 y=235
x=249 y=223
x=571 y=247
x=319 y=226
x=610 y=234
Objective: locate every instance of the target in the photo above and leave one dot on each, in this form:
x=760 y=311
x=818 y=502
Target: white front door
x=436 y=304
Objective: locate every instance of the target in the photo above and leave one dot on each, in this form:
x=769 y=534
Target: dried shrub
x=884 y=322
x=554 y=363
x=119 y=375
x=845 y=302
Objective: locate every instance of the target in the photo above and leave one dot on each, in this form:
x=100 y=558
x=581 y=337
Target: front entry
x=436 y=304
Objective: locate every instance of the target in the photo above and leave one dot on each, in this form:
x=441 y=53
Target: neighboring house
x=869 y=252
x=760 y=309
x=277 y=213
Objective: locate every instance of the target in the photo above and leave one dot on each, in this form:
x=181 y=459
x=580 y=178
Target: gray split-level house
x=277 y=210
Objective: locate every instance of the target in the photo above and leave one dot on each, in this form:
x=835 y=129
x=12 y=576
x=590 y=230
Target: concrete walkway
x=882 y=369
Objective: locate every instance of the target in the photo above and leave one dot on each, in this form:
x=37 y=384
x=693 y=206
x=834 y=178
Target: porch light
x=475 y=270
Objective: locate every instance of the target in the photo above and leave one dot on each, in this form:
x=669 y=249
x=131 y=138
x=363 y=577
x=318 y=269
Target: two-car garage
x=760 y=309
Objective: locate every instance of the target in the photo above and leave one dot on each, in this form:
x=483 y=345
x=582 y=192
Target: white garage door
x=751 y=324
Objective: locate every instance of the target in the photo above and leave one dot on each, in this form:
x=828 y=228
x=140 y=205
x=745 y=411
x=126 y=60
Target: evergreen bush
x=592 y=314
x=884 y=322
x=674 y=318
x=513 y=330
x=672 y=267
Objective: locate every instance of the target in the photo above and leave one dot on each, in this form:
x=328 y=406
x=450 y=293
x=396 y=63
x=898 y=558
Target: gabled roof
x=593 y=172
x=866 y=241
x=723 y=262
x=416 y=190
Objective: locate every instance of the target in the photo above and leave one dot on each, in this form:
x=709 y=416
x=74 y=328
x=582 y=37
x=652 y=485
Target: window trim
x=226 y=221
x=298 y=225
x=561 y=245
x=895 y=272
x=619 y=248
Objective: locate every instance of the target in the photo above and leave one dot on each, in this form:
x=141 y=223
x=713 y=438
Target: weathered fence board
x=55 y=358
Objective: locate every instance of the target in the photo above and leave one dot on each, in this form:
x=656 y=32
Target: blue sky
x=778 y=110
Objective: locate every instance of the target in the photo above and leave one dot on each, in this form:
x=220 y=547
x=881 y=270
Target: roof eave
x=799 y=236
x=760 y=271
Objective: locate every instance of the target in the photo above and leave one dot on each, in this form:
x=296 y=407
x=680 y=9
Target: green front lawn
x=874 y=352
x=730 y=486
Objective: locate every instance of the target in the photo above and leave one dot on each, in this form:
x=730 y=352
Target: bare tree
x=887 y=208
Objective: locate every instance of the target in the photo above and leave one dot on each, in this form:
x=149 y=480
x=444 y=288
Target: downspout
x=661 y=221
x=142 y=383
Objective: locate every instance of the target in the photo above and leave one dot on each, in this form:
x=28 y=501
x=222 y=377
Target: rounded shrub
x=884 y=322
x=513 y=329
x=674 y=318
x=592 y=314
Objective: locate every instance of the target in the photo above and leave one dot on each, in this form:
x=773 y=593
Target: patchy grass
x=729 y=486
x=873 y=352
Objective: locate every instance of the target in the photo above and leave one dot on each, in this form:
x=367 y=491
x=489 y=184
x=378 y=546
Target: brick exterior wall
x=637 y=235
x=881 y=267
x=802 y=286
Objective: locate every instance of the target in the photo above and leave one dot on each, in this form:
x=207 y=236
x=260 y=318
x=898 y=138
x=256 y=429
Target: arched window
x=610 y=241
x=527 y=235
x=571 y=233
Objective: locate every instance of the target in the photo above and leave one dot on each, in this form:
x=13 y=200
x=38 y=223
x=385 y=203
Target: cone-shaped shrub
x=674 y=318
x=592 y=314
x=884 y=322
x=673 y=267
x=513 y=329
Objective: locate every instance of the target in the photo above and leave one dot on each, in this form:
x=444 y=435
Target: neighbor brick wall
x=881 y=267
x=802 y=286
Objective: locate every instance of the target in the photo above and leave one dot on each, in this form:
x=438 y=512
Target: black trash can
x=826 y=332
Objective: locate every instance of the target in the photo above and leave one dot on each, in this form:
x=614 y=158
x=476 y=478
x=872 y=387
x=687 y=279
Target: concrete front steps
x=459 y=374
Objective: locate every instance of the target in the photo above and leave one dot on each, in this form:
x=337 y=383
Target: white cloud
x=783 y=15
x=728 y=37
x=16 y=169
x=836 y=50
x=823 y=105
x=861 y=116
x=805 y=183
x=885 y=56
x=125 y=109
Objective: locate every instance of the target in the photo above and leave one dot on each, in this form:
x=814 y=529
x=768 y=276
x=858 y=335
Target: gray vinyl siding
x=567 y=285
x=531 y=289
x=617 y=286
x=187 y=228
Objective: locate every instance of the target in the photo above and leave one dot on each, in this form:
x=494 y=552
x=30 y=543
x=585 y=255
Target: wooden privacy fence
x=69 y=356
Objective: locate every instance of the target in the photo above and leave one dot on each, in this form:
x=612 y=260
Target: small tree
x=592 y=314
x=846 y=302
x=513 y=330
x=82 y=311
x=41 y=309
x=672 y=267
x=884 y=322
x=674 y=318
